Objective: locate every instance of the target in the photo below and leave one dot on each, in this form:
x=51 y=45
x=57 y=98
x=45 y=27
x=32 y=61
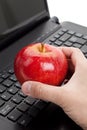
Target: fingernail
x=27 y=87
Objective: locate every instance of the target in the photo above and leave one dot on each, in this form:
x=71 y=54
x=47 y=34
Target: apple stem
x=42 y=47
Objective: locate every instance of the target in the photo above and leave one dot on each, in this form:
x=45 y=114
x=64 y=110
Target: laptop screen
x=16 y=13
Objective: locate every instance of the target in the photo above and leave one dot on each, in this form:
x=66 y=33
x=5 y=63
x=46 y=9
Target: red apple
x=41 y=62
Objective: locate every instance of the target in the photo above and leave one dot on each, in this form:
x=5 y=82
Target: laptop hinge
x=55 y=20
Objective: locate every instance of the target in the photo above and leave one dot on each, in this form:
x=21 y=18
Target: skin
x=72 y=96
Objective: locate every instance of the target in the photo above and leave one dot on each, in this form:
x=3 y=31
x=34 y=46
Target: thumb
x=46 y=92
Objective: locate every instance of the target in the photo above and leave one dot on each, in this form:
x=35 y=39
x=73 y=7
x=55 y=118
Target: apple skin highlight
x=43 y=63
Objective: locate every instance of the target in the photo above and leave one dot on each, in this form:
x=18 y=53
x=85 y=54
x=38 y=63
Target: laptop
x=21 y=23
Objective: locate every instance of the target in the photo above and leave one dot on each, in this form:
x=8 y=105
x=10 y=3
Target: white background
x=69 y=10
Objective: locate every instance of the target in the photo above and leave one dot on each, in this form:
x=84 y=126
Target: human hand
x=72 y=96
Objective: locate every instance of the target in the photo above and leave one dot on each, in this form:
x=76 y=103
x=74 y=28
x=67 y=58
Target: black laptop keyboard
x=14 y=105
x=17 y=107
x=69 y=38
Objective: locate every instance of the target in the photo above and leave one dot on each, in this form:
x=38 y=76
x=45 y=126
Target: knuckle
x=79 y=51
x=75 y=49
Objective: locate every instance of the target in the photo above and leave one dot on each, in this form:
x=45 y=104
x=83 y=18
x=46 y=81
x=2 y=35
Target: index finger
x=74 y=54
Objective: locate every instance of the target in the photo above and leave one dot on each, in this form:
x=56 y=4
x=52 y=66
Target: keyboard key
x=1 y=102
x=73 y=39
x=53 y=39
x=7 y=83
x=23 y=107
x=70 y=32
x=64 y=30
x=5 y=75
x=55 y=45
x=0 y=74
x=58 y=43
x=30 y=100
x=57 y=36
x=13 y=78
x=17 y=99
x=17 y=85
x=1 y=80
x=25 y=120
x=78 y=35
x=11 y=71
x=64 y=37
x=22 y=94
x=67 y=43
x=48 y=42
x=77 y=45
x=81 y=41
x=33 y=111
x=77 y=40
x=84 y=49
x=85 y=37
x=40 y=105
x=61 y=32
x=14 y=115
x=13 y=90
x=6 y=96
x=2 y=88
x=6 y=108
